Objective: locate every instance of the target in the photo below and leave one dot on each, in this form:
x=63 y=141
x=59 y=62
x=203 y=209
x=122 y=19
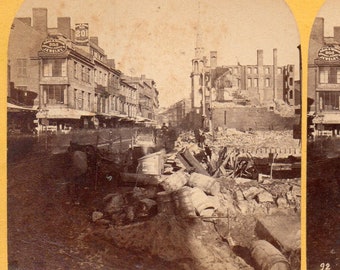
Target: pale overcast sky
x=157 y=37
x=330 y=11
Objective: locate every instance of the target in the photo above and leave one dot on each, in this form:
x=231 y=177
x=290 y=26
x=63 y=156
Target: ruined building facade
x=215 y=89
x=260 y=83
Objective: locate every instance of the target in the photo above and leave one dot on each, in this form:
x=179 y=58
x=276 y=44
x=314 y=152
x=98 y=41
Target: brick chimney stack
x=64 y=26
x=317 y=33
x=94 y=40
x=40 y=19
x=260 y=57
x=337 y=33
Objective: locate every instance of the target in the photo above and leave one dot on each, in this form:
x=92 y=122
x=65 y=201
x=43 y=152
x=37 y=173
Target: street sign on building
x=82 y=33
x=329 y=53
x=53 y=46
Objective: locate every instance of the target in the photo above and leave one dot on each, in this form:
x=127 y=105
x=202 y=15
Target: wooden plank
x=221 y=167
x=281 y=166
x=185 y=163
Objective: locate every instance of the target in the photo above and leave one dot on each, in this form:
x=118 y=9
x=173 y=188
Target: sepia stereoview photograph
x=323 y=149
x=158 y=134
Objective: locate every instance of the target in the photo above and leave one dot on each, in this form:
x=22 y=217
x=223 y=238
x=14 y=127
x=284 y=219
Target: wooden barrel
x=267 y=257
x=206 y=183
x=200 y=200
x=175 y=181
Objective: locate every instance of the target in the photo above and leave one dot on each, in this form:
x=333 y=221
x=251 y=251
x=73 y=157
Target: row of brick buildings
x=61 y=76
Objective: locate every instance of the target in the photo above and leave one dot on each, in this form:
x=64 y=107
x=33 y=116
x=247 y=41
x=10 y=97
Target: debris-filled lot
x=229 y=200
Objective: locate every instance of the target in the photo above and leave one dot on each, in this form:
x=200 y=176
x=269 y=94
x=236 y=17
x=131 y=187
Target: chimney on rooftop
x=111 y=63
x=94 y=40
x=337 y=33
x=40 y=19
x=260 y=57
x=64 y=26
x=317 y=32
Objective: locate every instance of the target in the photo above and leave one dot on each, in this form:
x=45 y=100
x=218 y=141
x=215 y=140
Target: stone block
x=239 y=195
x=265 y=196
x=282 y=202
x=251 y=192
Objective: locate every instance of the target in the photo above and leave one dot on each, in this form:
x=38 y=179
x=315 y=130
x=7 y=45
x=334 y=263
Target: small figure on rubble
x=201 y=139
x=208 y=152
x=197 y=134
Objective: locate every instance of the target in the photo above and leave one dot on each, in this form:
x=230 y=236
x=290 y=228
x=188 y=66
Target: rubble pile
x=284 y=109
x=281 y=142
x=204 y=203
x=189 y=212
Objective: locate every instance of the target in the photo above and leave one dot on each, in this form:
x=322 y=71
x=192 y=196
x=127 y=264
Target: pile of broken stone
x=194 y=188
x=188 y=187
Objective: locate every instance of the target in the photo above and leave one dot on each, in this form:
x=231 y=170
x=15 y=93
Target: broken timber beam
x=190 y=162
x=221 y=167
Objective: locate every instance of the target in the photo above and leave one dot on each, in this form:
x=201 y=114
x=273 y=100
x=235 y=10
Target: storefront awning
x=332 y=118
x=63 y=113
x=16 y=108
x=122 y=116
x=143 y=119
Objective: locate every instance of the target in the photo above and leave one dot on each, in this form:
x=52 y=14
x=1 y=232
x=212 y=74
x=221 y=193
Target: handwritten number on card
x=325 y=266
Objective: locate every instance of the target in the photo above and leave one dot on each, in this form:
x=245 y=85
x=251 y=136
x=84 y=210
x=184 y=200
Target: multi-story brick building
x=147 y=96
x=177 y=113
x=74 y=82
x=324 y=79
x=23 y=72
